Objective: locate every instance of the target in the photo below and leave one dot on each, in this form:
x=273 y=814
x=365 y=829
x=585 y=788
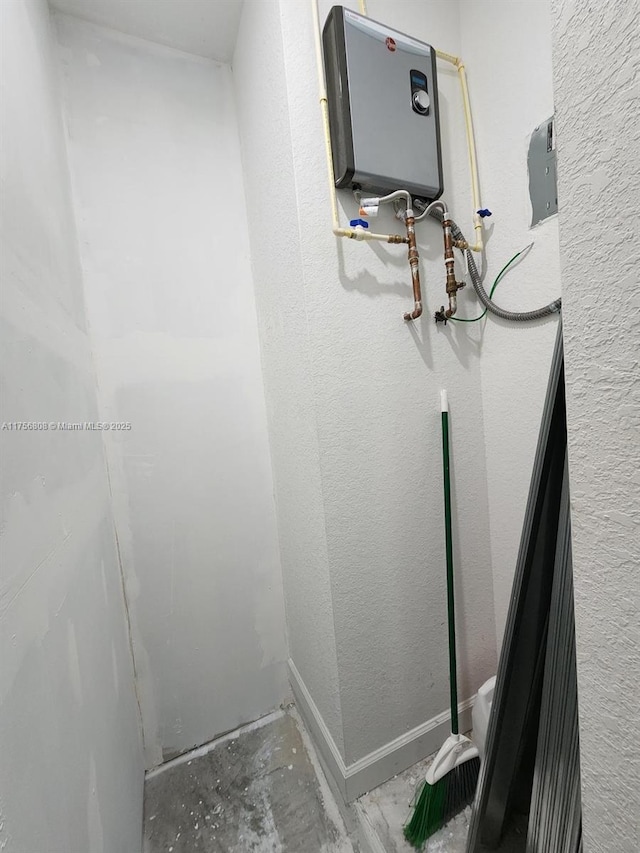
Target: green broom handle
x=449 y=549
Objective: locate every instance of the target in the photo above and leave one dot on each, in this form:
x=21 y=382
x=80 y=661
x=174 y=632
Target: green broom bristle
x=438 y=803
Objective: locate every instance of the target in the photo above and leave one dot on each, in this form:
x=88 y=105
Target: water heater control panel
x=420 y=93
x=383 y=107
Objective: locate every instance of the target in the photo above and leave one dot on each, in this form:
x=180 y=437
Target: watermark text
x=65 y=426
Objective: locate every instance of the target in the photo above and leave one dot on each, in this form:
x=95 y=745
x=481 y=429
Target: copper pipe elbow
x=413 y=315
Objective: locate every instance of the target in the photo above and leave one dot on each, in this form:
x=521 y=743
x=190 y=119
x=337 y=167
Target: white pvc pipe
x=322 y=91
x=364 y=234
x=351 y=233
x=471 y=145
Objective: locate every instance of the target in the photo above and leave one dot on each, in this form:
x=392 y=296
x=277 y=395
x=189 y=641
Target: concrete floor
x=254 y=791
x=261 y=790
x=384 y=811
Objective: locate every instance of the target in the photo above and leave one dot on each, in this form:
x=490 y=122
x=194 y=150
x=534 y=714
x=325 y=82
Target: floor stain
x=255 y=793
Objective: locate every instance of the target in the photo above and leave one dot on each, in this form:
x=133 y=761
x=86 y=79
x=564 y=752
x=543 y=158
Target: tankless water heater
x=383 y=107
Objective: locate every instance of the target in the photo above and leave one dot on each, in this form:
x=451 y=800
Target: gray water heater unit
x=383 y=107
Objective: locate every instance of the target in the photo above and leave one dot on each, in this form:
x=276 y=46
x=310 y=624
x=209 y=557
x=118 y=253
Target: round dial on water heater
x=421 y=101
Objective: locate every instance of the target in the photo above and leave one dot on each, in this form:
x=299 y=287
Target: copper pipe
x=414 y=264
x=452 y=285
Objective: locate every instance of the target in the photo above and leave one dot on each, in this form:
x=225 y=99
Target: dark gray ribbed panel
x=528 y=796
x=554 y=819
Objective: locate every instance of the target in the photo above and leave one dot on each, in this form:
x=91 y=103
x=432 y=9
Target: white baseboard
x=373 y=769
x=329 y=753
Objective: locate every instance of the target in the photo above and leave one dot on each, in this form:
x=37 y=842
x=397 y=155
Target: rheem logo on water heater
x=390 y=43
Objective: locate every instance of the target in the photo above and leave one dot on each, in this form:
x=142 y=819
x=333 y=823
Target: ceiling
x=204 y=27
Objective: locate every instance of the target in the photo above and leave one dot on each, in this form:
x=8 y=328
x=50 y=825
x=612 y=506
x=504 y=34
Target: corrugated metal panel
x=530 y=775
x=554 y=818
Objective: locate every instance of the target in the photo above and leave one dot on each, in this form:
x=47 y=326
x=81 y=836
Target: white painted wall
x=71 y=773
x=287 y=359
x=365 y=592
x=506 y=46
x=598 y=170
x=158 y=184
x=200 y=27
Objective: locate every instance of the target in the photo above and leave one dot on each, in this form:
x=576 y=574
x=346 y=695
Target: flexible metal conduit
x=518 y=316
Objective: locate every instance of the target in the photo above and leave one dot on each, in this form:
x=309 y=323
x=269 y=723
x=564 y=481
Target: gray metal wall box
x=383 y=107
x=543 y=180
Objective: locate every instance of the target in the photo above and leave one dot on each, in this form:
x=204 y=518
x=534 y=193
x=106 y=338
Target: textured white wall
x=158 y=184
x=71 y=774
x=287 y=359
x=506 y=46
x=599 y=186
x=369 y=580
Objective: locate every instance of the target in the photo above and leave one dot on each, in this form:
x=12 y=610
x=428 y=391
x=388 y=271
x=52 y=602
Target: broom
x=451 y=780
